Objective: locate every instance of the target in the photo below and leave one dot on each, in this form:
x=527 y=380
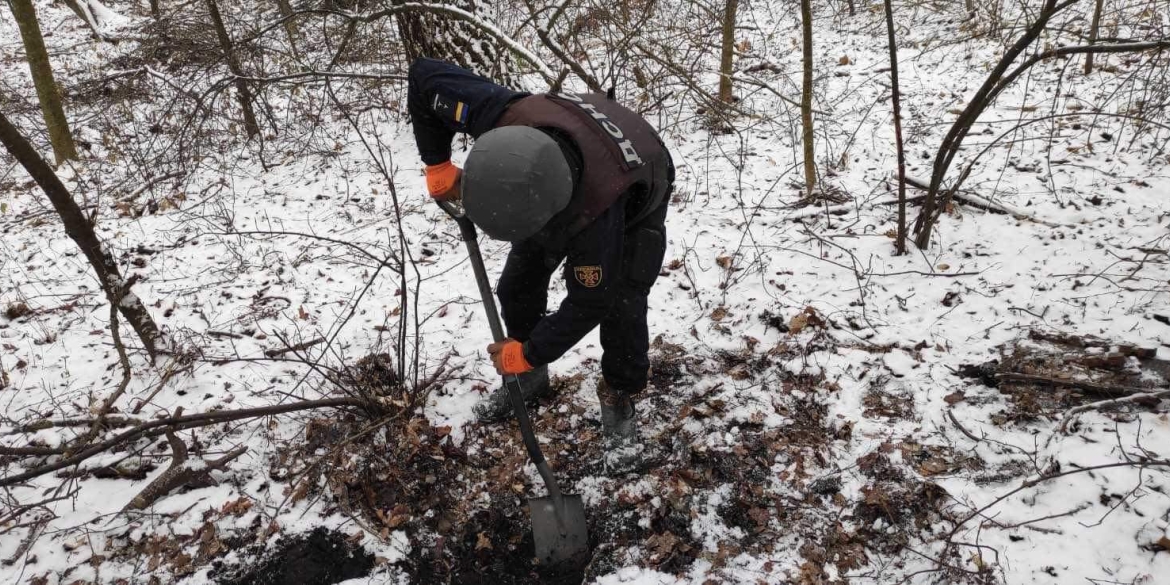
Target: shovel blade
x=560 y=535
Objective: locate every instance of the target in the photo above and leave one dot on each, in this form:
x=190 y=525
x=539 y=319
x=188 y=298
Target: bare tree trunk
x=954 y=138
x=725 y=59
x=242 y=91
x=1094 y=30
x=81 y=9
x=154 y=9
x=900 y=242
x=290 y=26
x=78 y=228
x=450 y=39
x=806 y=97
x=42 y=74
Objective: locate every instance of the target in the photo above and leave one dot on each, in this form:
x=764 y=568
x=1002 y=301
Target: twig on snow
x=988 y=205
x=955 y=421
x=293 y=348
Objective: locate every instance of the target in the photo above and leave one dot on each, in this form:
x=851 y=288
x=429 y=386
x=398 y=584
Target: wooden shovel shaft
x=511 y=382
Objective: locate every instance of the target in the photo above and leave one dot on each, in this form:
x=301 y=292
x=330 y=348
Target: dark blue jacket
x=443 y=100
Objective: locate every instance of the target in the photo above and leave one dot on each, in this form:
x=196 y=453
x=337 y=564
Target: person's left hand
x=508 y=357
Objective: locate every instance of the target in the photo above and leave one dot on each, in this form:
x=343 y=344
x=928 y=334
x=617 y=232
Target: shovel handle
x=512 y=383
x=467 y=229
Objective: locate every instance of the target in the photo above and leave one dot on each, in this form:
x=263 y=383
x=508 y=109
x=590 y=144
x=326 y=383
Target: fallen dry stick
x=180 y=474
x=1132 y=398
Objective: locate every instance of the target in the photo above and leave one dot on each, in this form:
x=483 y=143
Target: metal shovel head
x=561 y=536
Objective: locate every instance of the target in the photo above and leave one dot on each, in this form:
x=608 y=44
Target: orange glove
x=443 y=181
x=508 y=357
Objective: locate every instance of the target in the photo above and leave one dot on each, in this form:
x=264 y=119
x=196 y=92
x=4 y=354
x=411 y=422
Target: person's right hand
x=444 y=181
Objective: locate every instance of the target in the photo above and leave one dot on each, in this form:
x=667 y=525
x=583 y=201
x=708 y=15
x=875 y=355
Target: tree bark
x=726 y=58
x=1094 y=30
x=243 y=94
x=155 y=12
x=891 y=41
x=290 y=25
x=78 y=228
x=42 y=74
x=806 y=98
x=437 y=36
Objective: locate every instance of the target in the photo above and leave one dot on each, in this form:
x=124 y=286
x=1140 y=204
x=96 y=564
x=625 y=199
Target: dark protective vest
x=620 y=154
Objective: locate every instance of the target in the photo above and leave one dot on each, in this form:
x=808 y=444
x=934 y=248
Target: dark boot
x=622 y=451
x=497 y=406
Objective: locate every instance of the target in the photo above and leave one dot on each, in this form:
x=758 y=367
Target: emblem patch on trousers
x=588 y=276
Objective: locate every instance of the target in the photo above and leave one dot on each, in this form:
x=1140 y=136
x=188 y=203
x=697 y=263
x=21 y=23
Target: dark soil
x=491 y=548
x=322 y=557
x=464 y=508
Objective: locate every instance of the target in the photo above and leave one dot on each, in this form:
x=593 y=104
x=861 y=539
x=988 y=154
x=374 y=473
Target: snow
x=1054 y=262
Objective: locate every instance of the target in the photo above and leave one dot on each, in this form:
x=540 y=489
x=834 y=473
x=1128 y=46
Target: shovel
x=558 y=520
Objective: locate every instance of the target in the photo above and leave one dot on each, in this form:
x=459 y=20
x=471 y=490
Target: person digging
x=568 y=178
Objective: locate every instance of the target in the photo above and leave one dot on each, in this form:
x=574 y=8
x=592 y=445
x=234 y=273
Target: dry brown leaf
x=663 y=543
x=797 y=323
x=719 y=314
x=932 y=466
x=806 y=318
x=236 y=507
x=761 y=516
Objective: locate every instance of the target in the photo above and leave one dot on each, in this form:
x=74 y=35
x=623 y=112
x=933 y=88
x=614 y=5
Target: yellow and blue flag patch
x=450 y=109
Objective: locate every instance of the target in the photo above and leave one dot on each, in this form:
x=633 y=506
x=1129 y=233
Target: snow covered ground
x=814 y=371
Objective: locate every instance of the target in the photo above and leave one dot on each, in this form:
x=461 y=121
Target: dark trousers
x=625 y=338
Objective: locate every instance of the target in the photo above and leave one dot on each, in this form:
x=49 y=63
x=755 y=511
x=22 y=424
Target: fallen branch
x=162 y=426
x=1068 y=415
x=293 y=348
x=1090 y=387
x=1079 y=341
x=840 y=209
x=149 y=184
x=988 y=205
x=43 y=424
x=180 y=474
x=31 y=451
